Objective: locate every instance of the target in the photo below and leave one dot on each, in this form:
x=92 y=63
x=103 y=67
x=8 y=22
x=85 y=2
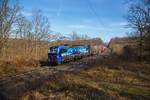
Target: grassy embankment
x=108 y=81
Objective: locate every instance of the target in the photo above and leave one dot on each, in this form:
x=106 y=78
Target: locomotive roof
x=58 y=47
x=77 y=46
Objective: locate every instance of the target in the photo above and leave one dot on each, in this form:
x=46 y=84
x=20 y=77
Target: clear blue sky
x=105 y=21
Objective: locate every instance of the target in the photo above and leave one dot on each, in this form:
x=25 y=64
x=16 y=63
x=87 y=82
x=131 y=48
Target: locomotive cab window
x=53 y=50
x=63 y=50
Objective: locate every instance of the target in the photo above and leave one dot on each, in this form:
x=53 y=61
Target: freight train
x=60 y=54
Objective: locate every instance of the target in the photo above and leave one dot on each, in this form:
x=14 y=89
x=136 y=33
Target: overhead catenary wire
x=60 y=8
x=91 y=7
x=95 y=13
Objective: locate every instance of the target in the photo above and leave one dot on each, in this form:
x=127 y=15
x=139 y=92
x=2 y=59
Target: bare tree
x=8 y=15
x=23 y=30
x=40 y=26
x=139 y=19
x=40 y=29
x=20 y=26
x=75 y=36
x=85 y=37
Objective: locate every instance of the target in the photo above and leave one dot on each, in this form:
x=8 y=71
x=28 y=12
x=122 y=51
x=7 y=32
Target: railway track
x=11 y=77
x=6 y=77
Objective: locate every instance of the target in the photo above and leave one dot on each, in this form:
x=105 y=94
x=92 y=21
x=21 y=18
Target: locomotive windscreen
x=53 y=50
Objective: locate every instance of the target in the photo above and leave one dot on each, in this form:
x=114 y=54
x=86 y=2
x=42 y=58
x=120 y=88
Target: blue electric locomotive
x=59 y=54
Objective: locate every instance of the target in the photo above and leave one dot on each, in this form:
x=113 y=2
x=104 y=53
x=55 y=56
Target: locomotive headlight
x=48 y=51
x=57 y=57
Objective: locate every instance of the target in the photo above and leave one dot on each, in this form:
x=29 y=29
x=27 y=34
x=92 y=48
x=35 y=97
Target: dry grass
x=22 y=55
x=103 y=82
x=118 y=46
x=17 y=65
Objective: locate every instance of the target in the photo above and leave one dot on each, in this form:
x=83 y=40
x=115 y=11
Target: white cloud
x=85 y=27
x=59 y=12
x=78 y=26
x=120 y=24
x=87 y=21
x=27 y=14
x=60 y=8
